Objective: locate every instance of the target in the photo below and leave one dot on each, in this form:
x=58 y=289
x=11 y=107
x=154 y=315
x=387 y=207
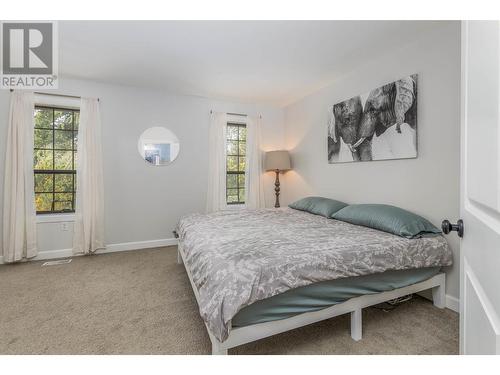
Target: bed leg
x=217 y=350
x=439 y=293
x=179 y=257
x=356 y=324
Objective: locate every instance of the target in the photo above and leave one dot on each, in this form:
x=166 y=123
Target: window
x=235 y=163
x=54 y=159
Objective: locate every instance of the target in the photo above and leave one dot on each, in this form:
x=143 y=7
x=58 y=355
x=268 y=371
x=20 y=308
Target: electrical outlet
x=64 y=227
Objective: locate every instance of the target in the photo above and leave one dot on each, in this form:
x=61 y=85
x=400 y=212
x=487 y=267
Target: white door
x=480 y=189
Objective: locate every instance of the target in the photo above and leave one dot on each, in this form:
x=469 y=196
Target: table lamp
x=277 y=161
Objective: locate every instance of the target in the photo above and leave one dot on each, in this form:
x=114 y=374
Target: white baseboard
x=127 y=246
x=452 y=303
x=112 y=248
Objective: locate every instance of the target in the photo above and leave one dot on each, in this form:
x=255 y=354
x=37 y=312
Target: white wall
x=428 y=185
x=143 y=202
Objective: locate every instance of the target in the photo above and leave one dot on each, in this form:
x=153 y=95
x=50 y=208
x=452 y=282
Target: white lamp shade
x=277 y=160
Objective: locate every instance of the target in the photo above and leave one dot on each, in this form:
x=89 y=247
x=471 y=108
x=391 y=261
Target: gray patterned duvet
x=238 y=257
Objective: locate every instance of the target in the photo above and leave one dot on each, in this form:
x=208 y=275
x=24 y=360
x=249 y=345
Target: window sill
x=55 y=218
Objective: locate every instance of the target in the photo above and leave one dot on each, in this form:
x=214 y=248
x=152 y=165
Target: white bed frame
x=354 y=306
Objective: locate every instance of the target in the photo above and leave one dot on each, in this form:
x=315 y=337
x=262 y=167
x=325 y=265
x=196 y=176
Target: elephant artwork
x=379 y=125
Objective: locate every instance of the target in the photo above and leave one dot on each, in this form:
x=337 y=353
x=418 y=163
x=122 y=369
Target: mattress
x=327 y=293
x=238 y=257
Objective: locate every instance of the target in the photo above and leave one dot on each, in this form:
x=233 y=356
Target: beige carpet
x=140 y=302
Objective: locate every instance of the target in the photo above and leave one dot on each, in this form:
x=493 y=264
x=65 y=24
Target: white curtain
x=254 y=187
x=19 y=214
x=216 y=190
x=89 y=216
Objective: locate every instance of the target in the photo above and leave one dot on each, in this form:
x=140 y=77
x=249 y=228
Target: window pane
x=43 y=182
x=241 y=164
x=63 y=139
x=241 y=179
x=235 y=183
x=55 y=191
x=243 y=148
x=232 y=147
x=232 y=181
x=63 y=119
x=75 y=139
x=243 y=133
x=75 y=154
x=43 y=138
x=63 y=202
x=77 y=119
x=63 y=206
x=64 y=182
x=42 y=159
x=63 y=160
x=43 y=118
x=232 y=132
x=43 y=202
x=232 y=195
x=232 y=163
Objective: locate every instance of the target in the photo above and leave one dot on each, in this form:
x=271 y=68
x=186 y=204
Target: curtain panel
x=254 y=186
x=19 y=213
x=89 y=214
x=216 y=189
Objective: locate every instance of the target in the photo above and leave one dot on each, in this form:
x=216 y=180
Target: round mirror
x=158 y=146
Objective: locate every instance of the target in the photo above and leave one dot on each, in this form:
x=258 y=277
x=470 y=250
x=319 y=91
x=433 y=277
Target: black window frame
x=238 y=155
x=55 y=171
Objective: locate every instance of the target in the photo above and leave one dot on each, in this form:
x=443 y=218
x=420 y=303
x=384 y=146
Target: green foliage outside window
x=235 y=163
x=54 y=158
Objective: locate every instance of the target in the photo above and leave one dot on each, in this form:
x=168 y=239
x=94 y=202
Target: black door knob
x=448 y=227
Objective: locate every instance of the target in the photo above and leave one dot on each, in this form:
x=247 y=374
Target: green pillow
x=318 y=206
x=387 y=218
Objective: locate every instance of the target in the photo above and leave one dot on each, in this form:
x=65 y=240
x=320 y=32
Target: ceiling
x=274 y=62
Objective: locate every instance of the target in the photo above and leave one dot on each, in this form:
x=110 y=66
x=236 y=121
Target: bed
x=256 y=273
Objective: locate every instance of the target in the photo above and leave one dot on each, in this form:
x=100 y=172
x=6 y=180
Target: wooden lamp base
x=277 y=188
